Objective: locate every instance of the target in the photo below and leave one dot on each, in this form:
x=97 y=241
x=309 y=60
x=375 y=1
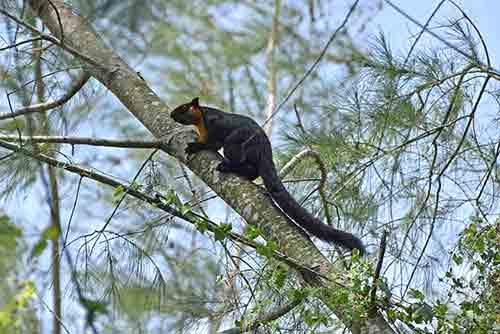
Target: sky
x=481 y=12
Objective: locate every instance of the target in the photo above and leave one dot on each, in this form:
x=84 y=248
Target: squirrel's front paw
x=192 y=148
x=223 y=167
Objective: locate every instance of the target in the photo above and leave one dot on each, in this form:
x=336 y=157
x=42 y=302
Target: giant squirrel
x=248 y=153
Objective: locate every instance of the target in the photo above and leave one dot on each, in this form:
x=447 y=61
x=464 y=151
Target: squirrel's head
x=188 y=113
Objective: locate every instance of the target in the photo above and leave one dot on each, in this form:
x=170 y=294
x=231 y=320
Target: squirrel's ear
x=195 y=102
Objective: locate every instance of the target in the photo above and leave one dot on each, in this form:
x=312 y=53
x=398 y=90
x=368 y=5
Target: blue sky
x=482 y=12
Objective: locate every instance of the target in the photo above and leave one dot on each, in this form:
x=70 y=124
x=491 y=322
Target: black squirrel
x=248 y=153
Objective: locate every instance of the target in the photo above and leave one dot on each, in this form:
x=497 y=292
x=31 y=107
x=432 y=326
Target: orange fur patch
x=200 y=125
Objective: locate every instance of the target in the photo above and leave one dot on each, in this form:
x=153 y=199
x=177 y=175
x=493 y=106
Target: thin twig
x=61 y=31
x=42 y=301
x=316 y=62
x=447 y=164
x=72 y=212
x=376 y=276
x=19 y=134
x=193 y=191
x=306 y=153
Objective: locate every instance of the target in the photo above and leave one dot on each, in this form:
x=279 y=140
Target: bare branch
x=306 y=153
x=15 y=45
x=85 y=141
x=40 y=107
x=271 y=69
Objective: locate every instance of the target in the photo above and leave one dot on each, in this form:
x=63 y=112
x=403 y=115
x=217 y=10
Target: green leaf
x=416 y=294
x=391 y=314
x=169 y=197
x=38 y=248
x=458 y=259
x=44 y=148
x=279 y=276
x=479 y=246
x=28 y=292
x=252 y=232
x=422 y=312
x=267 y=249
x=440 y=309
x=52 y=232
x=314 y=318
x=201 y=225
x=13 y=125
x=239 y=322
x=95 y=306
x=222 y=231
x=8 y=229
x=185 y=209
x=298 y=294
x=118 y=193
x=6 y=318
x=135 y=185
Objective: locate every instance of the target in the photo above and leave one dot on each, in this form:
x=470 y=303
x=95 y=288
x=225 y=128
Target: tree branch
x=84 y=141
x=309 y=153
x=40 y=107
x=271 y=69
x=15 y=45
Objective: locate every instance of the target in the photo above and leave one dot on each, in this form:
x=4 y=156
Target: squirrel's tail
x=300 y=216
